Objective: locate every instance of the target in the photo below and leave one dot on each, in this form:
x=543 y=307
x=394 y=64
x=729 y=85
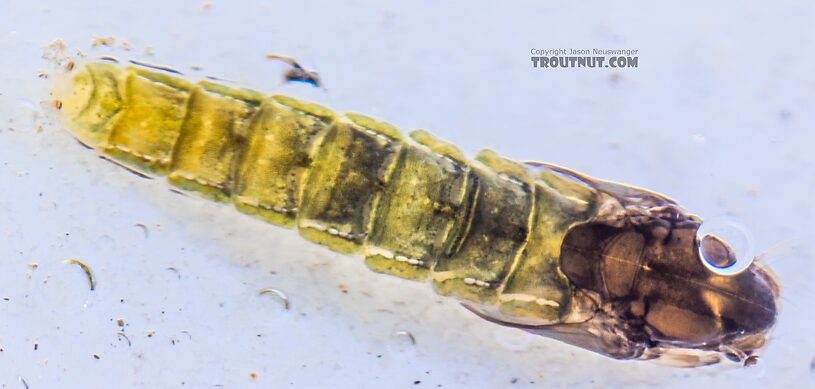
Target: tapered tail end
x=86 y=98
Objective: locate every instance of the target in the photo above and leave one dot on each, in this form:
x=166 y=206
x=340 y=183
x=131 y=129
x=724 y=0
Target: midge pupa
x=611 y=268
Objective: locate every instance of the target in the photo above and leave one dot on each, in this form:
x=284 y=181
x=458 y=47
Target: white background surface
x=719 y=115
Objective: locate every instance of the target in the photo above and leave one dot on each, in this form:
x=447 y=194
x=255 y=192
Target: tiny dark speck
x=95 y=356
x=417 y=382
x=36 y=346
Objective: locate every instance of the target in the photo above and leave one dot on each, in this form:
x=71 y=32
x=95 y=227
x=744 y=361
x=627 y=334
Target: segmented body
x=609 y=267
x=487 y=230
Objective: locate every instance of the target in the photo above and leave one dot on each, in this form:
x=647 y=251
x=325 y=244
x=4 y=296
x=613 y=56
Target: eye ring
x=719 y=256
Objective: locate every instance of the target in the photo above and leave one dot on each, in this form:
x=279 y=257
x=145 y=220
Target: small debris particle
x=36 y=346
x=303 y=75
x=22 y=381
x=173 y=269
x=277 y=292
x=417 y=382
x=42 y=74
x=70 y=65
x=54 y=52
x=122 y=335
x=144 y=229
x=253 y=375
x=33 y=265
x=85 y=268
x=513 y=381
x=126 y=46
x=407 y=334
x=108 y=41
x=297 y=72
x=150 y=334
x=120 y=322
x=58 y=104
x=148 y=52
x=96 y=356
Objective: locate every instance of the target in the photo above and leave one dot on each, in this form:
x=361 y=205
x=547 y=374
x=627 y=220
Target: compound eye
x=718 y=255
x=725 y=246
x=716 y=252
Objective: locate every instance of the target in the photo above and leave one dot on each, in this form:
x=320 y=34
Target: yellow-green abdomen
x=485 y=231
